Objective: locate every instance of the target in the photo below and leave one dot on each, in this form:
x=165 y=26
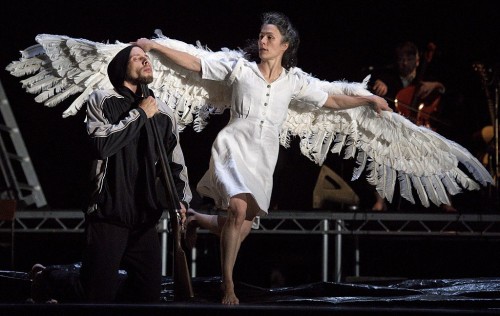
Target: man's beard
x=406 y=71
x=140 y=80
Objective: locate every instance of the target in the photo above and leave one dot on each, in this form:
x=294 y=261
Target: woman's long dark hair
x=290 y=36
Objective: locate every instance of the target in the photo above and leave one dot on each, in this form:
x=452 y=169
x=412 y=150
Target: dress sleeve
x=309 y=92
x=219 y=69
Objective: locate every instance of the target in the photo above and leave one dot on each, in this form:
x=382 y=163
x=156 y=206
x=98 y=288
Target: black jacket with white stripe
x=125 y=173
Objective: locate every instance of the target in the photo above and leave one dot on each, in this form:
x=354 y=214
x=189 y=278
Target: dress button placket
x=265 y=103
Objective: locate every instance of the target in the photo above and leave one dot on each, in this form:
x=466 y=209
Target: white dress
x=245 y=151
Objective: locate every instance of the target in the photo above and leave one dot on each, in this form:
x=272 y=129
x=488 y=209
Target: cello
x=409 y=104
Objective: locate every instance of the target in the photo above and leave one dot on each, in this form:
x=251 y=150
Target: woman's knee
x=238 y=208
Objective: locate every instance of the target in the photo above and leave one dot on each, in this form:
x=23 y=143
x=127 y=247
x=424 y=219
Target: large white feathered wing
x=388 y=147
x=60 y=66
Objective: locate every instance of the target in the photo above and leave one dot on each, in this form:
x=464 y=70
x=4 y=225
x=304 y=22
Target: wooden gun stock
x=183 y=289
x=182 y=280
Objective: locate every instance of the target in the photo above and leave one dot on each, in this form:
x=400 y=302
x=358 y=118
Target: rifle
x=183 y=289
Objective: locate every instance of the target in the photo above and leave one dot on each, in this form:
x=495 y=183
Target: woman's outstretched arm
x=182 y=59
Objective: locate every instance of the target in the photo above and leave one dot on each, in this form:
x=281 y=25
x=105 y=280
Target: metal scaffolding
x=326 y=223
x=303 y=222
x=19 y=180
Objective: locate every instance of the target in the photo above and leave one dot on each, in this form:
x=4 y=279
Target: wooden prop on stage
x=331 y=187
x=183 y=289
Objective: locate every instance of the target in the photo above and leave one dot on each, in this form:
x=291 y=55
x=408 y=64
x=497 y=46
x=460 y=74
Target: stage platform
x=407 y=297
x=331 y=294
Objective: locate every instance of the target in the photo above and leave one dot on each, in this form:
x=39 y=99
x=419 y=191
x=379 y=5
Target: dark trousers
x=110 y=248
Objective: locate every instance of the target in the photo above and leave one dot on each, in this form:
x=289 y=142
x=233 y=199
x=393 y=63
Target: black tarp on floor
x=406 y=297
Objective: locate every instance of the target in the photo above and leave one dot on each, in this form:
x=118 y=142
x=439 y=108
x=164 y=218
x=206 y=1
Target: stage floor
x=479 y=296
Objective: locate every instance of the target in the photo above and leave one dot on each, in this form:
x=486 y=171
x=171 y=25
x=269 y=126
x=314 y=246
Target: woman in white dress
x=245 y=152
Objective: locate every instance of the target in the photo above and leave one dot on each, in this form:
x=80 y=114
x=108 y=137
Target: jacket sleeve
x=176 y=157
x=107 y=136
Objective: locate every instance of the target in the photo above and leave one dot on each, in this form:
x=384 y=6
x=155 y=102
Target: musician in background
x=388 y=84
x=404 y=81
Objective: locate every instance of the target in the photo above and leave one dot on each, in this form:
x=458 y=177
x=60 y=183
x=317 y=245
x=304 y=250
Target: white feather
x=440 y=190
x=405 y=187
x=430 y=190
x=419 y=187
x=450 y=184
x=361 y=165
x=390 y=180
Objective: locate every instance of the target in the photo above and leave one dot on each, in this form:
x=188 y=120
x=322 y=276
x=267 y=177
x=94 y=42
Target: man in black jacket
x=124 y=206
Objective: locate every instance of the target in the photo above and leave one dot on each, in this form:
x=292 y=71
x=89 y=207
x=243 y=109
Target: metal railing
x=322 y=222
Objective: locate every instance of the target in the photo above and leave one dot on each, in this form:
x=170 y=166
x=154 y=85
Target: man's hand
x=182 y=211
x=149 y=106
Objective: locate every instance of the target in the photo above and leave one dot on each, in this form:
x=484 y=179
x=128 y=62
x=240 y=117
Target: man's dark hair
x=406 y=49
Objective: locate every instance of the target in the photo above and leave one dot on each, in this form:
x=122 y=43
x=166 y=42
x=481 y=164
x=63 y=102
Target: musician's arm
x=427 y=87
x=379 y=88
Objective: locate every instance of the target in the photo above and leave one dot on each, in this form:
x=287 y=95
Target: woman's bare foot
x=190 y=234
x=230 y=299
x=228 y=295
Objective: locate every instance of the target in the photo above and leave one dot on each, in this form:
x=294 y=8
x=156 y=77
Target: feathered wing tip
x=60 y=66
x=389 y=147
x=471 y=163
x=31 y=60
